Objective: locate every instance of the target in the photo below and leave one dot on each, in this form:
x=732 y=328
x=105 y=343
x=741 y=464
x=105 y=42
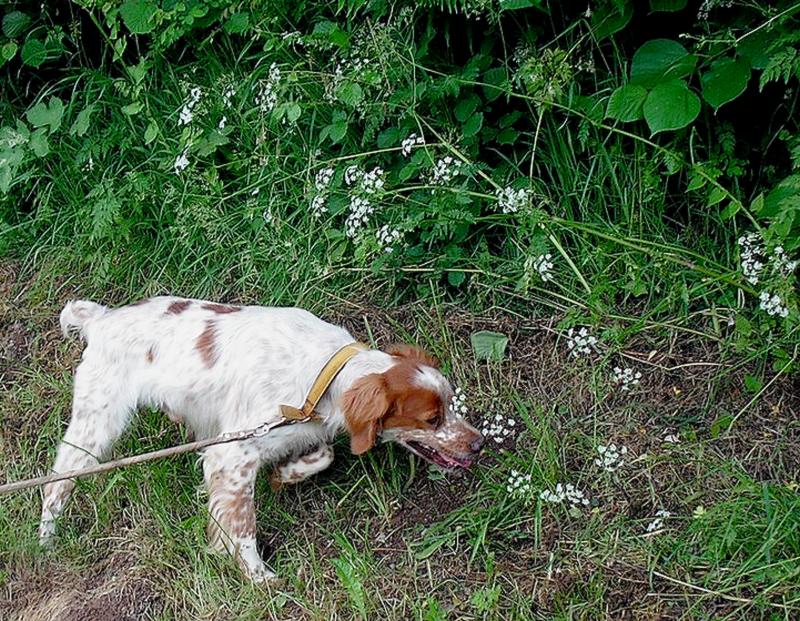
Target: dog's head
x=410 y=404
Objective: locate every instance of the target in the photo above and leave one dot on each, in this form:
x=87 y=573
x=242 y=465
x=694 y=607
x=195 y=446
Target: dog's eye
x=437 y=419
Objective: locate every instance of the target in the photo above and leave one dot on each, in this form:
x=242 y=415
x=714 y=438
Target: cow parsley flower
x=409 y=143
x=318 y=207
x=581 y=342
x=360 y=210
x=228 y=93
x=751 y=252
x=498 y=428
x=782 y=263
x=510 y=200
x=543 y=265
x=518 y=484
x=772 y=304
x=187 y=110
x=222 y=122
x=182 y=161
x=658 y=522
x=388 y=237
x=568 y=492
x=267 y=97
x=323 y=179
x=611 y=457
x=445 y=170
x=458 y=403
x=627 y=377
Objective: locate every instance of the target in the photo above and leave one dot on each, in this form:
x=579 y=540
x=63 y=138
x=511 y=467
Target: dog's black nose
x=477 y=444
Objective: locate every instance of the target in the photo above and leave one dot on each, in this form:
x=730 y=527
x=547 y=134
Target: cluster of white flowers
x=782 y=263
x=187 y=110
x=351 y=66
x=445 y=170
x=267 y=97
x=409 y=143
x=322 y=182
x=671 y=438
x=568 y=492
x=458 y=403
x=323 y=179
x=510 y=200
x=498 y=428
x=772 y=304
x=543 y=265
x=360 y=210
x=182 y=161
x=368 y=182
x=387 y=237
x=519 y=484
x=611 y=456
x=580 y=342
x=627 y=377
x=222 y=122
x=658 y=522
x=751 y=251
x=228 y=93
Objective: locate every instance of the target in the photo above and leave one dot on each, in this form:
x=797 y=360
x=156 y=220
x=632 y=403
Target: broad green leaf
x=293 y=111
x=730 y=210
x=507 y=136
x=696 y=181
x=716 y=195
x=8 y=50
x=138 y=15
x=473 y=124
x=237 y=23
x=670 y=105
x=388 y=137
x=497 y=83
x=151 y=132
x=670 y=6
x=15 y=23
x=756 y=48
x=725 y=81
x=81 y=124
x=610 y=17
x=350 y=93
x=626 y=103
x=456 y=278
x=133 y=108
x=512 y=5
x=489 y=345
x=752 y=383
x=660 y=60
x=50 y=114
x=39 y=143
x=337 y=131
x=33 y=53
x=466 y=107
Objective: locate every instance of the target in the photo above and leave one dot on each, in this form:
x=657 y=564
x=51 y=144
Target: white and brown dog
x=220 y=369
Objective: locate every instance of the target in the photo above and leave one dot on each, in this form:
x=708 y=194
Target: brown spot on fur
x=178 y=306
x=150 y=355
x=139 y=302
x=222 y=309
x=205 y=345
x=412 y=353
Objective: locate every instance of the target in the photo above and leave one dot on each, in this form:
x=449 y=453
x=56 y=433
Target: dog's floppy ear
x=364 y=405
x=414 y=353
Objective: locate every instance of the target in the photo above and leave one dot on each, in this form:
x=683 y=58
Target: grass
x=387 y=536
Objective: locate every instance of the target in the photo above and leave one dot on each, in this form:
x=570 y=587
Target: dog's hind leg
x=102 y=408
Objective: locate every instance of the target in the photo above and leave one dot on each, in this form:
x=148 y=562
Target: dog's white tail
x=77 y=314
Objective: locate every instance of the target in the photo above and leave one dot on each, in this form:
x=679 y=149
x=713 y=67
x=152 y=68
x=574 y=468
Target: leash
x=289 y=416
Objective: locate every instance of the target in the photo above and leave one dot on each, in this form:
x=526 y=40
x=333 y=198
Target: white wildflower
x=227 y=95
x=445 y=170
x=372 y=181
x=543 y=265
x=323 y=179
x=222 y=122
x=772 y=304
x=187 y=110
x=182 y=161
x=387 y=237
x=458 y=403
x=781 y=262
x=352 y=175
x=510 y=200
x=518 y=484
x=568 y=492
x=318 y=207
x=658 y=522
x=611 y=457
x=409 y=143
x=751 y=252
x=498 y=428
x=580 y=342
x=360 y=210
x=671 y=438
x=627 y=377
x=267 y=97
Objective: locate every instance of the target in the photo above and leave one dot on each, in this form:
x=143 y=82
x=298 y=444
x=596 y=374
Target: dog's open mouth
x=440 y=458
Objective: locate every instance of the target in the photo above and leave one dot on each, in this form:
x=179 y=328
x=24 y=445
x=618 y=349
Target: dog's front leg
x=230 y=474
x=302 y=467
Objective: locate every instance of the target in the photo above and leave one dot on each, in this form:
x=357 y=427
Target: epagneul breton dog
x=217 y=369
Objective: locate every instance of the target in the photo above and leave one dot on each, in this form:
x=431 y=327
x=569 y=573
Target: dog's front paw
x=47 y=534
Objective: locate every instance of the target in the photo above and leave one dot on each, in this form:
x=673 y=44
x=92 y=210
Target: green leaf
x=512 y=5
x=133 y=108
x=489 y=345
x=626 y=103
x=350 y=93
x=466 y=107
x=15 y=23
x=50 y=114
x=756 y=48
x=336 y=131
x=716 y=196
x=237 y=23
x=659 y=60
x=670 y=105
x=38 y=142
x=388 y=137
x=34 y=53
x=497 y=83
x=670 y=6
x=456 y=278
x=720 y=425
x=81 y=124
x=473 y=124
x=725 y=81
x=138 y=15
x=752 y=383
x=507 y=136
x=293 y=111
x=730 y=210
x=610 y=17
x=151 y=132
x=8 y=50
x=696 y=181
